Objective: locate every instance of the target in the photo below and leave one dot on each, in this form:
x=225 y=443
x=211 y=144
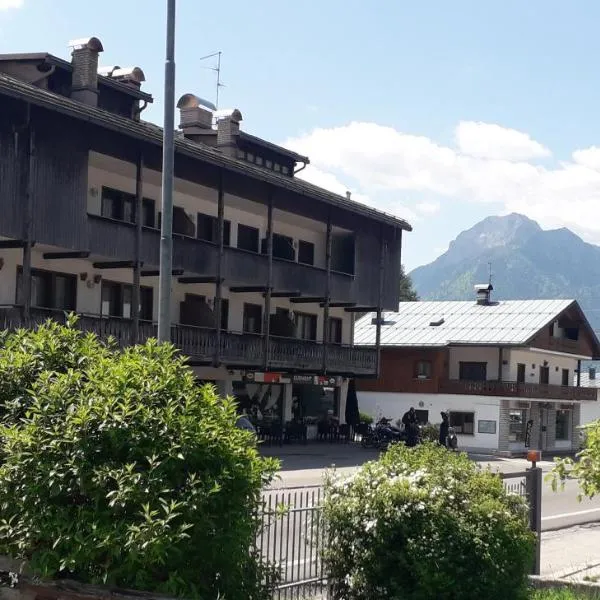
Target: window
x=520 y=373
x=50 y=289
x=249 y=157
x=565 y=377
x=148 y=213
x=563 y=425
x=472 y=371
x=423 y=369
x=544 y=375
x=283 y=247
x=516 y=425
x=252 y=318
x=285 y=170
x=259 y=160
x=463 y=422
x=117 y=300
x=335 y=330
x=118 y=205
x=422 y=416
x=306 y=326
x=247 y=238
x=224 y=313
x=269 y=164
x=241 y=154
x=306 y=253
x=208 y=229
x=277 y=168
x=183 y=224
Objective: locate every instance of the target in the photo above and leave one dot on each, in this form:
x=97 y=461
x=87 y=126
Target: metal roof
x=153 y=134
x=510 y=323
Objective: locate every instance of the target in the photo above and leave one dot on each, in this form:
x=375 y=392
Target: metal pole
x=139 y=166
x=534 y=497
x=382 y=252
x=28 y=219
x=166 y=234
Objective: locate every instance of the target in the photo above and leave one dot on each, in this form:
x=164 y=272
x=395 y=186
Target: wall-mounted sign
x=528 y=433
x=314 y=380
x=484 y=426
x=267 y=378
x=300 y=379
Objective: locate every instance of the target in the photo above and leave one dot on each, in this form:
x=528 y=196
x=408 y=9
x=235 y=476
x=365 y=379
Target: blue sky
x=440 y=112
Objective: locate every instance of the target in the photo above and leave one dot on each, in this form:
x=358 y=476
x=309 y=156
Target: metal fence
x=293 y=533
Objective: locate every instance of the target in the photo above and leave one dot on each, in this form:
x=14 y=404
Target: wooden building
x=268 y=270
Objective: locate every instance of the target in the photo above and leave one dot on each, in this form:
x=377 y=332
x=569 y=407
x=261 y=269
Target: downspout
x=304 y=165
x=139 y=110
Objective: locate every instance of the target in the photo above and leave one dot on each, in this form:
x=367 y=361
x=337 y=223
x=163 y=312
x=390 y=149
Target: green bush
x=423 y=523
x=431 y=432
x=365 y=418
x=119 y=469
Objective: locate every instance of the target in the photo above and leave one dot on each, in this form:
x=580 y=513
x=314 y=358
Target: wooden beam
x=359 y=309
x=308 y=300
x=6 y=244
x=65 y=255
x=283 y=294
x=199 y=279
x=156 y=273
x=218 y=305
x=115 y=264
x=339 y=304
x=268 y=291
x=246 y=289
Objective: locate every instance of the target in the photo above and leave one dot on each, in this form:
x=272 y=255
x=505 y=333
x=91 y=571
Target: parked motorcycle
x=452 y=439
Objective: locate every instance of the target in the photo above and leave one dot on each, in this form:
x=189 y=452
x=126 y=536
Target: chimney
x=348 y=195
x=84 y=85
x=133 y=76
x=195 y=116
x=484 y=293
x=228 y=130
x=592 y=372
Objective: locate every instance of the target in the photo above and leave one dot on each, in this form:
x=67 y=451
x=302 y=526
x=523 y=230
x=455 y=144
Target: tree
x=407 y=292
x=585 y=469
x=119 y=469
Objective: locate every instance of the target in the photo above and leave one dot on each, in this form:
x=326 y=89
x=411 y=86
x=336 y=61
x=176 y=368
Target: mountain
x=526 y=262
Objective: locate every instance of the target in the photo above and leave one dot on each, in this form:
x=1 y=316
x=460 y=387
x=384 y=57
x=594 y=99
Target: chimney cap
x=131 y=73
x=193 y=101
x=108 y=71
x=92 y=43
x=483 y=287
x=229 y=113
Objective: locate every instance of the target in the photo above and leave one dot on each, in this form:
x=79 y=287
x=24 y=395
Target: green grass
x=562 y=595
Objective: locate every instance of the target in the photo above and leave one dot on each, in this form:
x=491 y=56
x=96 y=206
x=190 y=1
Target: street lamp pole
x=166 y=232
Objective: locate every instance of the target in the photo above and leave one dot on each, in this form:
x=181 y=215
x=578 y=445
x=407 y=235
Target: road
x=289 y=541
x=306 y=466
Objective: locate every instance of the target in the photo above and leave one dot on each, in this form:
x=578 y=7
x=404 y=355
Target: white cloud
x=7 y=4
x=414 y=176
x=488 y=140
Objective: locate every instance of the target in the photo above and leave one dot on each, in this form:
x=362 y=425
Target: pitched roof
x=153 y=134
x=510 y=323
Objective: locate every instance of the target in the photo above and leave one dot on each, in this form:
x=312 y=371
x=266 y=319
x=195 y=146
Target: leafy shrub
x=365 y=418
x=586 y=468
x=423 y=523
x=430 y=432
x=119 y=469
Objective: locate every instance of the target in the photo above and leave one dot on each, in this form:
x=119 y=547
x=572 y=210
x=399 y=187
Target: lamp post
x=166 y=230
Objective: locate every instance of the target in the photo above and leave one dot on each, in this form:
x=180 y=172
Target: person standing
x=410 y=422
x=444 y=430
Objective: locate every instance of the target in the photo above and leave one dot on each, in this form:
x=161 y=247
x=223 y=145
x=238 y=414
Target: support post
x=533 y=484
x=382 y=249
x=267 y=315
x=579 y=373
x=166 y=234
x=139 y=177
x=328 y=242
x=28 y=219
x=219 y=283
x=500 y=361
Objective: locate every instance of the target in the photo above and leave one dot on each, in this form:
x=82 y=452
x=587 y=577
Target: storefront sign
x=315 y=380
x=267 y=378
x=528 y=433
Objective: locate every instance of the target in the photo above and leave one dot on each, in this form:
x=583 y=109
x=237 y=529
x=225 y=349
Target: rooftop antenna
x=490 y=273
x=217 y=70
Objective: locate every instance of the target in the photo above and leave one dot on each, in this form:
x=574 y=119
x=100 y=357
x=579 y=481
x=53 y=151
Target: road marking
x=571 y=514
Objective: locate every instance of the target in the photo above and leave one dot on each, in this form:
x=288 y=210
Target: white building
x=507 y=371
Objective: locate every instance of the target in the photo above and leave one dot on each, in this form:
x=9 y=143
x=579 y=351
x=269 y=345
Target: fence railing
x=293 y=534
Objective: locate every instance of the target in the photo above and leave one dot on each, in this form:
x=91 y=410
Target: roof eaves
x=271 y=146
x=153 y=134
x=123 y=87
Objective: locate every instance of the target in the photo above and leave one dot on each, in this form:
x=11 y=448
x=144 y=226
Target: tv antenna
x=217 y=70
x=490 y=273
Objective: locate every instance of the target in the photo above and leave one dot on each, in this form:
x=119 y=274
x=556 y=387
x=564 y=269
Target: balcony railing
x=200 y=344
x=512 y=389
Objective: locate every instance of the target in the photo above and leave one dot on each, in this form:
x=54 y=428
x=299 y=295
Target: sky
x=438 y=112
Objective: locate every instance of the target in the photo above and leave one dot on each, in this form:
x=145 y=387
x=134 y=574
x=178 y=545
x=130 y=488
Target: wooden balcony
x=512 y=389
x=235 y=350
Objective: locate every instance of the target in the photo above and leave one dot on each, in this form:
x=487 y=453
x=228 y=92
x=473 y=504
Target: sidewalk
x=573 y=553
